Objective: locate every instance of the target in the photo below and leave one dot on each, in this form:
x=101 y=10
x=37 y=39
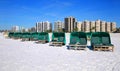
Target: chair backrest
x=34 y=34
x=60 y=36
x=74 y=39
x=17 y=34
x=100 y=38
x=95 y=40
x=11 y=34
x=78 y=38
x=43 y=36
x=26 y=35
x=105 y=38
x=83 y=38
x=83 y=41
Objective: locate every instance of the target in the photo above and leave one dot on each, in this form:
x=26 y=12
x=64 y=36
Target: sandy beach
x=16 y=55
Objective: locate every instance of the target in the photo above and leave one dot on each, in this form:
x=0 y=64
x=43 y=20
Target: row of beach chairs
x=100 y=41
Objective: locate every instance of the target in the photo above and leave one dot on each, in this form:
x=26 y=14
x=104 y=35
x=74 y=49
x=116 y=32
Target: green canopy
x=26 y=35
x=43 y=36
x=11 y=34
x=78 y=38
x=17 y=35
x=58 y=37
x=34 y=35
x=100 y=38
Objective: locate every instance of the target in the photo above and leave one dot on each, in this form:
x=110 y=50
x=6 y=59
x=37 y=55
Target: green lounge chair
x=34 y=36
x=11 y=34
x=17 y=35
x=42 y=37
x=58 y=39
x=101 y=41
x=78 y=41
x=26 y=36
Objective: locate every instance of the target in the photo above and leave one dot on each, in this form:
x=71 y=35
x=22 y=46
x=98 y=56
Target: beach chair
x=26 y=36
x=42 y=37
x=78 y=41
x=17 y=35
x=100 y=41
x=11 y=34
x=34 y=36
x=58 y=39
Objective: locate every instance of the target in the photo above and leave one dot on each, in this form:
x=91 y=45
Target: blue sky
x=27 y=12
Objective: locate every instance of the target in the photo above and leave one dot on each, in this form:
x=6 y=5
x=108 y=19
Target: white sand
x=29 y=56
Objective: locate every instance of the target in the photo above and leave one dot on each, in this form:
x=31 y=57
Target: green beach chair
x=78 y=41
x=101 y=41
x=26 y=36
x=42 y=37
x=11 y=34
x=17 y=35
x=58 y=39
x=34 y=36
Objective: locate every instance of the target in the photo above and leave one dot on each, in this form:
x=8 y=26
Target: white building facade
x=58 y=26
x=43 y=26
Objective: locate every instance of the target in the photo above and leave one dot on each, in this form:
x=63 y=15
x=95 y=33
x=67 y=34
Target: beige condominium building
x=108 y=27
x=103 y=26
x=87 y=26
x=113 y=26
x=79 y=26
x=92 y=27
x=43 y=26
x=97 y=26
x=58 y=26
x=70 y=24
x=15 y=29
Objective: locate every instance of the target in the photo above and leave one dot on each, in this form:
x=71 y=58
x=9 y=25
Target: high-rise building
x=21 y=29
x=97 y=26
x=33 y=29
x=39 y=27
x=113 y=26
x=47 y=26
x=58 y=26
x=83 y=27
x=15 y=29
x=70 y=24
x=92 y=27
x=108 y=27
x=79 y=26
x=43 y=26
x=103 y=26
x=87 y=26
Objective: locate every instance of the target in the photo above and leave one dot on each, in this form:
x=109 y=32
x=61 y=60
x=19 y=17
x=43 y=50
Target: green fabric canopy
x=43 y=36
x=78 y=38
x=101 y=38
x=59 y=37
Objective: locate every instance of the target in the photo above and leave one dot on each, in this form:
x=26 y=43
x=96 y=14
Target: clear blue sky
x=27 y=12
